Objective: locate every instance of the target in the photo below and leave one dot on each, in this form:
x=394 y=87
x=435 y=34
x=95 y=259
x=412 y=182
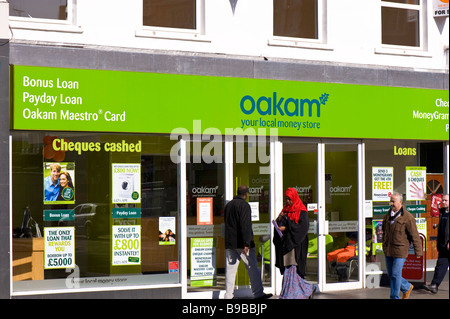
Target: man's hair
x=55 y=165
x=399 y=196
x=242 y=190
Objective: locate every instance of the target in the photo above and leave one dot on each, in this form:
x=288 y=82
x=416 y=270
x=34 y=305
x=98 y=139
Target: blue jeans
x=398 y=283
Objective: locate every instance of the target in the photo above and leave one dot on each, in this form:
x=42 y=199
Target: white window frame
x=68 y=25
x=197 y=34
x=393 y=49
x=321 y=43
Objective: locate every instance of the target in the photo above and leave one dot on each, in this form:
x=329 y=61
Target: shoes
x=406 y=294
x=431 y=288
x=265 y=296
x=313 y=292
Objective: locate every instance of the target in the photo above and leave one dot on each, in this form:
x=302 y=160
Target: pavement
x=383 y=292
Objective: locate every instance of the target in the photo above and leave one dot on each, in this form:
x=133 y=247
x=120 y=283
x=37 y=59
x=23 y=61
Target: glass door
x=300 y=172
x=251 y=167
x=205 y=199
x=342 y=219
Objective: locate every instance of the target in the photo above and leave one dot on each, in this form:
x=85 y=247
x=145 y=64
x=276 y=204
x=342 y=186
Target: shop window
x=402 y=22
x=341 y=205
x=108 y=218
x=432 y=156
x=388 y=165
x=40 y=9
x=180 y=14
x=296 y=19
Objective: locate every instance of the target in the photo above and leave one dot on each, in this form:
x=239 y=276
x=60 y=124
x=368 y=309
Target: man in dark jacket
x=239 y=244
x=399 y=230
x=442 y=246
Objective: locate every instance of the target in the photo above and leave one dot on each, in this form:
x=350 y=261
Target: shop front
x=120 y=179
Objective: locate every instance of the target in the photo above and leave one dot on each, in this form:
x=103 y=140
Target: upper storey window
x=40 y=9
x=180 y=14
x=402 y=22
x=296 y=19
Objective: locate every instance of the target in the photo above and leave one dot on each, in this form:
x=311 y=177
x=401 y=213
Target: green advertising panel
x=117 y=101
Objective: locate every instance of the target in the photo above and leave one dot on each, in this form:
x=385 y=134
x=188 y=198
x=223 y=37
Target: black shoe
x=431 y=288
x=265 y=296
x=313 y=292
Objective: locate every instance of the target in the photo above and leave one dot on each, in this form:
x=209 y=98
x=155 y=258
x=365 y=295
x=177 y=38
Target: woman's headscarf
x=293 y=211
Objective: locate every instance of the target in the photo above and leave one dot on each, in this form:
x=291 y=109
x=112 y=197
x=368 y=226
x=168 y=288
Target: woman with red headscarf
x=291 y=248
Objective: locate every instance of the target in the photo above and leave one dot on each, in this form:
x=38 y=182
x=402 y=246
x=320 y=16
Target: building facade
x=148 y=114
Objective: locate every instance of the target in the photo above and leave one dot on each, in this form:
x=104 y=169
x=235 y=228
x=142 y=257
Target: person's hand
x=282 y=228
x=280 y=216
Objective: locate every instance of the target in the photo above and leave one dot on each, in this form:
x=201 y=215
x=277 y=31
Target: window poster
x=377 y=234
x=255 y=210
x=416 y=178
x=59 y=183
x=377 y=237
x=126 y=245
x=126 y=183
x=203 y=262
x=204 y=210
x=59 y=247
x=174 y=267
x=167 y=230
x=382 y=183
x=436 y=201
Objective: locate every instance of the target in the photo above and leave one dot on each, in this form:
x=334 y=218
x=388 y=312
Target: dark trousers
x=441 y=268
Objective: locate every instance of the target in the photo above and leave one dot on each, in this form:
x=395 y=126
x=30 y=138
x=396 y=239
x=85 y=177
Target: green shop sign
x=413 y=209
x=59 y=215
x=63 y=99
x=126 y=213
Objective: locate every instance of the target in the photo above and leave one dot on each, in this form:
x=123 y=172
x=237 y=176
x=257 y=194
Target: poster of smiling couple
x=59 y=183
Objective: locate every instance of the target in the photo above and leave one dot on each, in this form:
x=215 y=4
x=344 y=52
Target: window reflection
x=400 y=26
x=170 y=13
x=42 y=9
x=295 y=18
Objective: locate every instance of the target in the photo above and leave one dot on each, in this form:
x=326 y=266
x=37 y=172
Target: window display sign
x=126 y=183
x=204 y=210
x=382 y=183
x=126 y=212
x=377 y=237
x=416 y=178
x=59 y=183
x=377 y=234
x=126 y=245
x=255 y=211
x=436 y=200
x=167 y=230
x=59 y=247
x=173 y=267
x=59 y=215
x=203 y=262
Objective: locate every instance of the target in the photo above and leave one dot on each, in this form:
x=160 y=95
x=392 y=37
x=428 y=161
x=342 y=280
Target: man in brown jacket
x=399 y=230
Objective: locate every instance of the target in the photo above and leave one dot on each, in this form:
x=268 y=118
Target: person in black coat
x=291 y=248
x=442 y=246
x=239 y=244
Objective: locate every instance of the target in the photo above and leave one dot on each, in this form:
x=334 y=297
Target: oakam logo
x=274 y=105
